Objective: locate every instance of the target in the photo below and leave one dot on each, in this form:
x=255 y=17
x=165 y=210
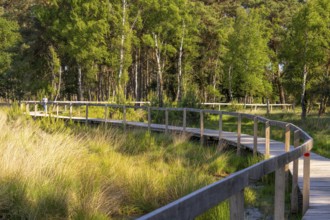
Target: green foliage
x=248 y=55
x=206 y=51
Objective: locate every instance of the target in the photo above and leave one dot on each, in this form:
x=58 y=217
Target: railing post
x=267 y=139
x=202 y=126
x=70 y=110
x=166 y=120
x=21 y=105
x=105 y=114
x=86 y=121
x=57 y=110
x=35 y=109
x=287 y=149
x=279 y=208
x=306 y=185
x=124 y=117
x=149 y=119
x=294 y=193
x=255 y=136
x=220 y=129
x=184 y=120
x=268 y=110
x=27 y=108
x=239 y=128
x=237 y=206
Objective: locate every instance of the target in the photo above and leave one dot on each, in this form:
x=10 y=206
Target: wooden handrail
x=232 y=186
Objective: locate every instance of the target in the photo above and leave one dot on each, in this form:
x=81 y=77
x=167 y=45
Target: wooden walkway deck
x=320 y=166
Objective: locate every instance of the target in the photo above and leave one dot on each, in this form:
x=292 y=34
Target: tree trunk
x=280 y=87
x=229 y=83
x=323 y=105
x=123 y=36
x=79 y=85
x=59 y=84
x=136 y=84
x=303 y=94
x=179 y=91
x=159 y=72
x=99 y=87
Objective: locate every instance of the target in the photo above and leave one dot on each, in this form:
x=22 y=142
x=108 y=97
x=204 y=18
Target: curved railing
x=231 y=187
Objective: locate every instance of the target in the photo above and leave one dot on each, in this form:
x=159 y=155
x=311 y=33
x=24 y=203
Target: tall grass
x=52 y=170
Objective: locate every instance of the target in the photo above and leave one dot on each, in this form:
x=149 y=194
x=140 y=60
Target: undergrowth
x=53 y=170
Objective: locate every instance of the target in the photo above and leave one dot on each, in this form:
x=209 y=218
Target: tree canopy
x=166 y=50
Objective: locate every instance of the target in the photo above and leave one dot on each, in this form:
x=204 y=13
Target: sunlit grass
x=52 y=170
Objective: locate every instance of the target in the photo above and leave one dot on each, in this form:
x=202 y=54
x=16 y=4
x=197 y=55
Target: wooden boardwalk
x=320 y=166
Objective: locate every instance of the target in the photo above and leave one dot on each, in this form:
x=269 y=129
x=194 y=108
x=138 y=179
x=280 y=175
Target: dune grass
x=52 y=170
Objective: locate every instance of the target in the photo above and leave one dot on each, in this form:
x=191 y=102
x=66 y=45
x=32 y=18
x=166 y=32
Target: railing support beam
x=267 y=139
x=236 y=203
x=306 y=185
x=149 y=119
x=202 y=127
x=220 y=131
x=255 y=136
x=279 y=208
x=239 y=128
x=166 y=120
x=184 y=120
x=86 y=121
x=124 y=117
x=295 y=187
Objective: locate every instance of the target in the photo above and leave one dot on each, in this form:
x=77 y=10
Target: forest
x=167 y=51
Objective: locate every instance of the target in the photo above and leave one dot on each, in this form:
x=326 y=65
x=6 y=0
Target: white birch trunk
x=159 y=71
x=123 y=36
x=179 y=91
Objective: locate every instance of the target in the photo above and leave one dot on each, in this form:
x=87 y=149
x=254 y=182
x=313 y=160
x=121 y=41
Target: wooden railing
x=269 y=107
x=231 y=187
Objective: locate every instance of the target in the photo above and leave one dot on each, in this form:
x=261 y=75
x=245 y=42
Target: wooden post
x=166 y=120
x=124 y=117
x=239 y=128
x=267 y=139
x=279 y=208
x=184 y=120
x=27 y=108
x=268 y=110
x=86 y=121
x=294 y=193
x=70 y=110
x=220 y=129
x=202 y=126
x=21 y=106
x=105 y=114
x=57 y=110
x=287 y=149
x=306 y=184
x=35 y=109
x=149 y=119
x=255 y=136
x=64 y=108
x=237 y=206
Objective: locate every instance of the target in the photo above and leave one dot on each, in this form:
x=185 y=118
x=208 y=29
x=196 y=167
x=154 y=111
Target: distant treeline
x=166 y=50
